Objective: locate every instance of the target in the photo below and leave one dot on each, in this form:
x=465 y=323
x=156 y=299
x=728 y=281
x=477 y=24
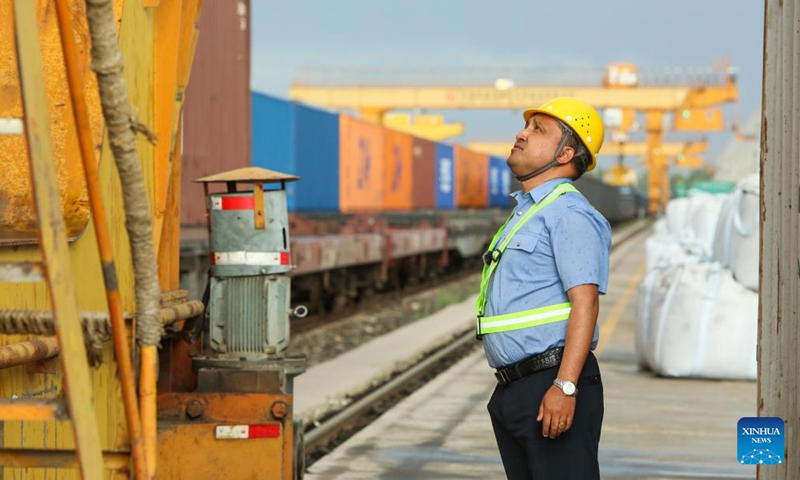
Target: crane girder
x=635 y=149
x=489 y=98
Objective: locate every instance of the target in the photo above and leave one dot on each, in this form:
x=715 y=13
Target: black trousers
x=525 y=452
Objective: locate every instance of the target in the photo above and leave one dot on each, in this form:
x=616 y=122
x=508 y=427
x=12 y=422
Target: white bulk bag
x=660 y=227
x=703 y=213
x=721 y=251
x=707 y=326
x=661 y=252
x=677 y=211
x=662 y=286
x=745 y=248
x=644 y=299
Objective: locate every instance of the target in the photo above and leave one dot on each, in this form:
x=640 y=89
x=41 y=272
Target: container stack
x=348 y=165
x=698 y=301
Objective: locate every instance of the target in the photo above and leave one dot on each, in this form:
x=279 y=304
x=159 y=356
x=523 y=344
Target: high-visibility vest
x=525 y=318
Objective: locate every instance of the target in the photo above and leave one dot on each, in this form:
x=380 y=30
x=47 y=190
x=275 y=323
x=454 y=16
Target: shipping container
x=273 y=145
x=499 y=182
x=445 y=188
x=316 y=136
x=361 y=165
x=399 y=159
x=216 y=114
x=471 y=182
x=424 y=183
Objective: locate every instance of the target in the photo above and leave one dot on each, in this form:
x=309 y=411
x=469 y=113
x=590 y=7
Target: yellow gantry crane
x=429 y=127
x=680 y=151
x=683 y=154
x=693 y=106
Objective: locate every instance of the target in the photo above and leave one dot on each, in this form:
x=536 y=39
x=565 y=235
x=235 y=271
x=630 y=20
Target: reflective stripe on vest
x=527 y=318
x=524 y=319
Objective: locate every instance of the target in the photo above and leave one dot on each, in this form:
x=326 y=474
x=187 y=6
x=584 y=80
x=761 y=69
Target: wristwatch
x=566 y=386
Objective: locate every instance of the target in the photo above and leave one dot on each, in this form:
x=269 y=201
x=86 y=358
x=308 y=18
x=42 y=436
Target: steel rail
x=329 y=428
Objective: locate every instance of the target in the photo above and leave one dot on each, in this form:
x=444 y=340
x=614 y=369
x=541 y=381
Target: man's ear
x=566 y=155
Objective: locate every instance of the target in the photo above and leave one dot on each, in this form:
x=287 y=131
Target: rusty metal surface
x=320 y=253
x=415 y=241
x=216 y=134
x=53 y=239
x=188 y=448
x=27 y=458
x=779 y=328
x=17 y=214
x=28 y=351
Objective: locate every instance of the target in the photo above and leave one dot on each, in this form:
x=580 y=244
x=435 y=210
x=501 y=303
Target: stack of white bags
x=698 y=302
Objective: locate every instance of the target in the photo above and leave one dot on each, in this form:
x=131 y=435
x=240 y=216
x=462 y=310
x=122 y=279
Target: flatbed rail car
x=340 y=257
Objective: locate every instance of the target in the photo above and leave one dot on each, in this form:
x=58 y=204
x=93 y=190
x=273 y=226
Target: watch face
x=569 y=388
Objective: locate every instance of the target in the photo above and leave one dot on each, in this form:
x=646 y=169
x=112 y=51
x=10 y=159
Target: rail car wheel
x=299 y=451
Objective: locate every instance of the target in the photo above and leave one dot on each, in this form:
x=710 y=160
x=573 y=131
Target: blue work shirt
x=565 y=244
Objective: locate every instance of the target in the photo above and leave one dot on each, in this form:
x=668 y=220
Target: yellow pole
x=119 y=331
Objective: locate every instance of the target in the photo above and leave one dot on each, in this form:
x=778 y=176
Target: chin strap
x=561 y=144
x=538 y=171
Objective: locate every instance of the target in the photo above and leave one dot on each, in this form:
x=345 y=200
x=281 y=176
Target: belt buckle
x=502 y=377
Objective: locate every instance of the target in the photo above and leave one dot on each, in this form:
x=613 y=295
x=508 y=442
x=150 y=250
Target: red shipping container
x=216 y=114
x=398 y=155
x=423 y=188
x=361 y=165
x=471 y=178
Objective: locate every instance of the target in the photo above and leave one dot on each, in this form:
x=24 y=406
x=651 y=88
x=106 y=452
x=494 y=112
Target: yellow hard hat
x=581 y=118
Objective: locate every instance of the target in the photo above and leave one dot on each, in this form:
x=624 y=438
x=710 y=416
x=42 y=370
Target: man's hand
x=556 y=412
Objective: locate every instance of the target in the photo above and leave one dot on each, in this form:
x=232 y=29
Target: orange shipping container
x=361 y=165
x=399 y=171
x=472 y=184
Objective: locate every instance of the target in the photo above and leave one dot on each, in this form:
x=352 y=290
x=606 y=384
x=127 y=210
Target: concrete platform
x=329 y=385
x=654 y=428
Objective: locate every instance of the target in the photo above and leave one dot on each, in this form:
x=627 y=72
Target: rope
x=96 y=328
x=96 y=325
x=120 y=117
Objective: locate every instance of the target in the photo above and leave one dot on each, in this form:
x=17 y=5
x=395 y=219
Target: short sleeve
x=581 y=244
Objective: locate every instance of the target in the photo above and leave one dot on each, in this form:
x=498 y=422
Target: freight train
x=376 y=209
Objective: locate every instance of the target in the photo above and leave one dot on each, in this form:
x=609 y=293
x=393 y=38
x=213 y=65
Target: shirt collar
x=538 y=193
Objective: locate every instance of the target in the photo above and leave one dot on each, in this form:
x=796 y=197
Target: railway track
x=332 y=430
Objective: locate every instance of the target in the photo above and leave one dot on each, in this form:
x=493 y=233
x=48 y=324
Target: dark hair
x=582 y=158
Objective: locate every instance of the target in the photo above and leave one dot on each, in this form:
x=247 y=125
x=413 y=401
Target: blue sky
x=288 y=36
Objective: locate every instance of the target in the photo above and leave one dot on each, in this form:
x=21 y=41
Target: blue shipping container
x=273 y=137
x=445 y=194
x=316 y=136
x=299 y=140
x=499 y=182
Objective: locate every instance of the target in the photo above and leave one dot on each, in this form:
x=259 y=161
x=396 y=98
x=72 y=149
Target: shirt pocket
x=519 y=265
x=523 y=242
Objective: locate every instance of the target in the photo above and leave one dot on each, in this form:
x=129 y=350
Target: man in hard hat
x=538 y=303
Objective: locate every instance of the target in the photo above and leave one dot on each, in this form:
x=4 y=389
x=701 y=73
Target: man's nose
x=522 y=136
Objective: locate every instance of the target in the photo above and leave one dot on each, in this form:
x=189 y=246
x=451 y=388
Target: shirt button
x=519 y=213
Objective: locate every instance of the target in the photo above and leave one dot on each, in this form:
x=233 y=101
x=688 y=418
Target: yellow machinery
x=118 y=434
x=87 y=256
x=610 y=148
x=694 y=106
x=429 y=127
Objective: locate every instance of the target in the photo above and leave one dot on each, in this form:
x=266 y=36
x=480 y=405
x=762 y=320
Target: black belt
x=529 y=366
